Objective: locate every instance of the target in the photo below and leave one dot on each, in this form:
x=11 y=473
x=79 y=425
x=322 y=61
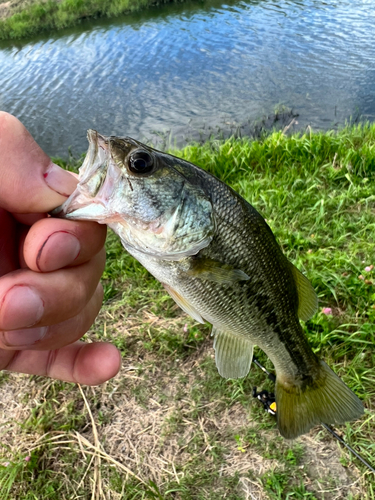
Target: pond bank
x=23 y=18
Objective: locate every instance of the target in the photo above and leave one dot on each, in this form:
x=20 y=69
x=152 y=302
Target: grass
x=168 y=426
x=28 y=17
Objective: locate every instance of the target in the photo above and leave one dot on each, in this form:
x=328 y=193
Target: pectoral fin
x=184 y=304
x=233 y=354
x=307 y=298
x=212 y=270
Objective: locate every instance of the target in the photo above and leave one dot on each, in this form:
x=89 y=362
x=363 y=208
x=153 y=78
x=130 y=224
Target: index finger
x=30 y=182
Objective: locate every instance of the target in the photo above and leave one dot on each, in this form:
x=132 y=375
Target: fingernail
x=60 y=180
x=59 y=250
x=22 y=307
x=24 y=338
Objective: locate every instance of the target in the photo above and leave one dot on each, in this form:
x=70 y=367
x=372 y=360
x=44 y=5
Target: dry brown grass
x=147 y=425
x=10 y=7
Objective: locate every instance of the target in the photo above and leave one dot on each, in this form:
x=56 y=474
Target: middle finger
x=30 y=299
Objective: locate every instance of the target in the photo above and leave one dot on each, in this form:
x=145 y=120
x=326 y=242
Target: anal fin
x=233 y=354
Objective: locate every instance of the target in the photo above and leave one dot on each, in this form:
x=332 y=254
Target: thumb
x=30 y=182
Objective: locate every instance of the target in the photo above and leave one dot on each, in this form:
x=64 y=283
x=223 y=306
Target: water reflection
x=182 y=67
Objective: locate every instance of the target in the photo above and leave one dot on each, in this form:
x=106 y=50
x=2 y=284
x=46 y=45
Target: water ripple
x=184 y=66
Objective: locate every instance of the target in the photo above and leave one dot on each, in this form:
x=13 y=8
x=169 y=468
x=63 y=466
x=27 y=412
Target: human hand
x=49 y=269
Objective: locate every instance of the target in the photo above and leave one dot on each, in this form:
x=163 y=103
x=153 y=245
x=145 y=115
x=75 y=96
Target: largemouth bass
x=219 y=260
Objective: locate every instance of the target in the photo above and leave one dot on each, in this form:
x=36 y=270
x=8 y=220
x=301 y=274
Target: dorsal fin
x=307 y=298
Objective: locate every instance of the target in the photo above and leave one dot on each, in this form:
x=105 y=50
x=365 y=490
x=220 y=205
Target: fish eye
x=141 y=162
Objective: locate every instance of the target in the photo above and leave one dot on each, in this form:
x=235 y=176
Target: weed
x=32 y=18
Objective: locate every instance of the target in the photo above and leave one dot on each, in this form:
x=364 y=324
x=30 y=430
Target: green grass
x=317 y=192
x=34 y=17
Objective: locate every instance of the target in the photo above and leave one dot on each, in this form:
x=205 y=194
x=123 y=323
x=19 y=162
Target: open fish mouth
x=97 y=179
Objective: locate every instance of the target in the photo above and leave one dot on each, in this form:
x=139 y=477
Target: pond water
x=179 y=69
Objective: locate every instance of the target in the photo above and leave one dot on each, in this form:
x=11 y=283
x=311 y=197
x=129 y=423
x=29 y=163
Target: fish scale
x=220 y=262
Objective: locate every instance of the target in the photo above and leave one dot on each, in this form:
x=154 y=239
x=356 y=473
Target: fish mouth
x=77 y=207
x=97 y=179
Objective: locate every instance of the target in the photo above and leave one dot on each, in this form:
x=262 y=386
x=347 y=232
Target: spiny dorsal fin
x=233 y=354
x=212 y=270
x=184 y=304
x=307 y=298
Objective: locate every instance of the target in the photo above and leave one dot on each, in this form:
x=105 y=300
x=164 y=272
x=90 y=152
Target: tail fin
x=328 y=400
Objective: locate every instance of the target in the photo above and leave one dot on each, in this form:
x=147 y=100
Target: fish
x=220 y=262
